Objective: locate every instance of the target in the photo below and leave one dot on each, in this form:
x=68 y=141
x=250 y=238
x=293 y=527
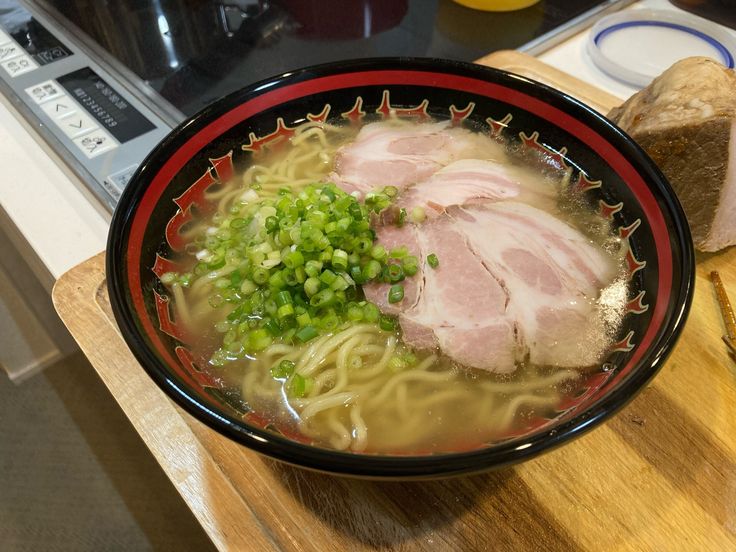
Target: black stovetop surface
x=195 y=51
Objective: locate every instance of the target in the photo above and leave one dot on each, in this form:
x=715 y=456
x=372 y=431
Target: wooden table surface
x=661 y=475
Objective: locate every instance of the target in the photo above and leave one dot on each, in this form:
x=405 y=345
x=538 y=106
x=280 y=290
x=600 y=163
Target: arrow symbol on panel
x=59 y=107
x=76 y=125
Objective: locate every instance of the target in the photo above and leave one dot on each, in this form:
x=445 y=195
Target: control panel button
x=76 y=123
x=95 y=143
x=4 y=38
x=120 y=179
x=111 y=189
x=19 y=65
x=44 y=91
x=116 y=182
x=10 y=51
x=59 y=108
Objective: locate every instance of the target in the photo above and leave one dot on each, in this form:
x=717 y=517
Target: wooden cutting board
x=661 y=475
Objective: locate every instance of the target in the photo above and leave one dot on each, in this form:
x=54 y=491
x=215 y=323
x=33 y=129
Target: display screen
x=40 y=44
x=105 y=104
x=30 y=35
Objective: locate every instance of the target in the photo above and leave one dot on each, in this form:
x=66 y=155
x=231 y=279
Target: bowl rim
x=403 y=466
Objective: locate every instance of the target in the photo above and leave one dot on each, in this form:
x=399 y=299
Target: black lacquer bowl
x=615 y=175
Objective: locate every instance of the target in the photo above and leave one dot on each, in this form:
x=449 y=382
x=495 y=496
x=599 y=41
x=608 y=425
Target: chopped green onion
x=271 y=224
x=272 y=327
x=294 y=262
x=339 y=260
x=339 y=284
x=284 y=311
x=235 y=347
x=402 y=217
x=357 y=275
x=363 y=245
x=289 y=277
x=356 y=212
x=343 y=225
x=317 y=218
x=283 y=298
x=311 y=286
x=322 y=298
x=378 y=252
x=216 y=263
x=313 y=268
x=221 y=283
x=235 y=278
x=371 y=270
x=355 y=313
x=285 y=237
x=260 y=275
x=328 y=194
x=410 y=264
x=283 y=369
x=396 y=363
x=299 y=386
x=417 y=215
x=276 y=280
x=328 y=277
x=395 y=273
x=331 y=228
x=329 y=322
x=387 y=323
x=303 y=319
x=293 y=259
x=371 y=312
x=229 y=336
x=395 y=293
x=238 y=223
x=432 y=260
x=258 y=340
x=306 y=333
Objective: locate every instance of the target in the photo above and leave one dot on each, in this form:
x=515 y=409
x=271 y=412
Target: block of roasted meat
x=686 y=121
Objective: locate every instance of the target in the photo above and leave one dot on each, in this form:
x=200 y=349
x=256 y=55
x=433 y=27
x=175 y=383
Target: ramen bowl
x=607 y=168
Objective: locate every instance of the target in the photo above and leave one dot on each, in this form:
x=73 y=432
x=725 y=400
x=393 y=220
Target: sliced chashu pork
x=552 y=274
x=469 y=181
x=513 y=281
x=686 y=121
x=394 y=153
x=458 y=307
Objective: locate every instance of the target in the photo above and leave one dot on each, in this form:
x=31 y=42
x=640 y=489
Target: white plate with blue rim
x=635 y=46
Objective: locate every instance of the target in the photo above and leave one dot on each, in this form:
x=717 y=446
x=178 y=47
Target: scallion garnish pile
x=292 y=263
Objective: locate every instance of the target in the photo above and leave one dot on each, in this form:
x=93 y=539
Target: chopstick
x=726 y=311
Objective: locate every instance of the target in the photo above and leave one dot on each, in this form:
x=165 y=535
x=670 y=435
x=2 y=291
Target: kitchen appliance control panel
x=100 y=130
